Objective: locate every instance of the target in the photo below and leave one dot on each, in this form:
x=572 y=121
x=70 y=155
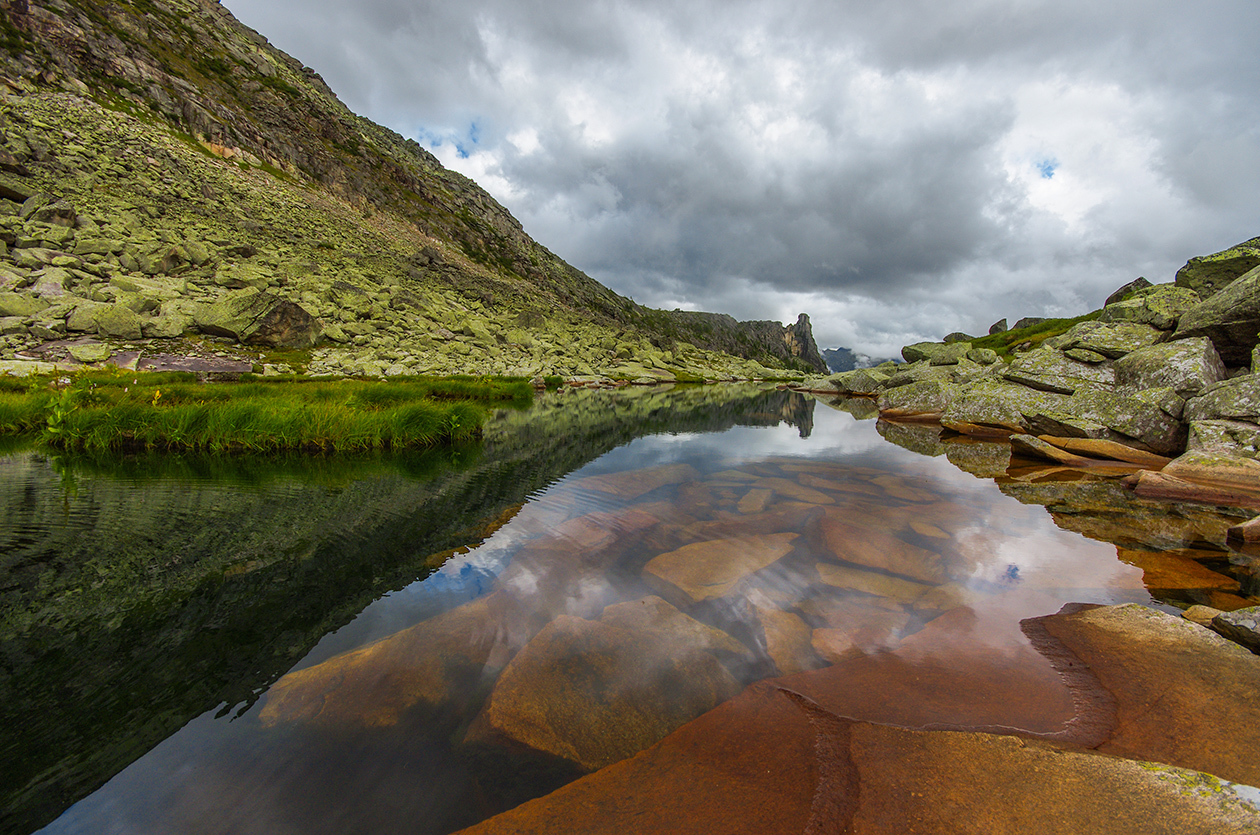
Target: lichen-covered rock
x=1160 y=306
x=1165 y=398
x=1187 y=366
x=936 y=353
x=999 y=404
x=1230 y=318
x=118 y=321
x=859 y=381
x=1111 y=339
x=259 y=318
x=983 y=356
x=998 y=327
x=20 y=304
x=1093 y=413
x=1139 y=283
x=1217 y=467
x=1241 y=626
x=1236 y=399
x=1209 y=274
x=1049 y=370
x=1236 y=437
x=924 y=397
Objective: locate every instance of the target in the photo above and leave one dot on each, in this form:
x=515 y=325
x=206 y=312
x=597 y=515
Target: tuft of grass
x=108 y=410
x=1003 y=343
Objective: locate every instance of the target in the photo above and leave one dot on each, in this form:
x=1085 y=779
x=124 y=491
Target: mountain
x=845 y=359
x=171 y=175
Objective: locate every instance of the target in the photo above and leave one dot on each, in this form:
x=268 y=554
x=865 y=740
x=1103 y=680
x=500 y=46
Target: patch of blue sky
x=1046 y=168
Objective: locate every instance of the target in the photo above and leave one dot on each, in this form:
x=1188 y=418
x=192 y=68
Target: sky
x=898 y=170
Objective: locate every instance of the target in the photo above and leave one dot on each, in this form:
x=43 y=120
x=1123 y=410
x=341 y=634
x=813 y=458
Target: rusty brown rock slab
x=788 y=640
x=871 y=582
x=871 y=545
x=433 y=663
x=593 y=694
x=1102 y=448
x=755 y=500
x=1185 y=696
x=652 y=614
x=1246 y=532
x=707 y=570
x=1168 y=486
x=793 y=490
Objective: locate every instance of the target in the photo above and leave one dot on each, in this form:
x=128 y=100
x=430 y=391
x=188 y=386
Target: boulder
x=1242 y=626
x=1049 y=370
x=1217 y=467
x=998 y=327
x=957 y=336
x=118 y=321
x=936 y=353
x=1187 y=366
x=1092 y=413
x=1234 y=437
x=999 y=404
x=1209 y=274
x=982 y=356
x=1236 y=399
x=1230 y=318
x=926 y=398
x=255 y=317
x=1127 y=290
x=1160 y=306
x=917 y=372
x=90 y=352
x=20 y=304
x=859 y=381
x=1028 y=322
x=1109 y=339
x=593 y=694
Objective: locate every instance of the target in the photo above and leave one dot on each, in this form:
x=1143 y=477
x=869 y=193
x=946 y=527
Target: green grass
x=101 y=411
x=1003 y=343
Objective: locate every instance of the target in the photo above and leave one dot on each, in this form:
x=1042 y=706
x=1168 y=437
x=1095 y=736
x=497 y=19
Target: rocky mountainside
x=171 y=175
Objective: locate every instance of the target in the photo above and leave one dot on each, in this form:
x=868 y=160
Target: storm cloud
x=897 y=170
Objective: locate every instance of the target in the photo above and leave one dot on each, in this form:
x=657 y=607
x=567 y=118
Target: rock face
x=1160 y=306
x=260 y=318
x=1187 y=366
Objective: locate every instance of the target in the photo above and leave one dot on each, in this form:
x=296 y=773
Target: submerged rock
x=593 y=694
x=712 y=569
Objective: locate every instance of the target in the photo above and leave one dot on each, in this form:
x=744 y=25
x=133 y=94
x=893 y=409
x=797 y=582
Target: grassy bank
x=103 y=410
x=1033 y=335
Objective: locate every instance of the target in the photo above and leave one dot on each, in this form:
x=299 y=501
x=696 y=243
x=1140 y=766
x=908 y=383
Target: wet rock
x=259 y=318
x=438 y=662
x=631 y=485
x=980 y=458
x=1187 y=366
x=593 y=694
x=755 y=500
x=1049 y=370
x=924 y=439
x=788 y=640
x=1030 y=447
x=652 y=614
x=1202 y=615
x=1182 y=695
x=1230 y=318
x=873 y=546
x=793 y=490
x=1209 y=274
x=871 y=582
x=1162 y=572
x=1160 y=306
x=1246 y=532
x=1099 y=448
x=1241 y=626
x=1214 y=467
x=712 y=569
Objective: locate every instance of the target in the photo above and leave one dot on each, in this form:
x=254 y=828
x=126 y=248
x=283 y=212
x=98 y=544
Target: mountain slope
x=173 y=126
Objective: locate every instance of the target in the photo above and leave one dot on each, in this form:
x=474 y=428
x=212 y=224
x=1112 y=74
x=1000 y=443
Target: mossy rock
x=1209 y=274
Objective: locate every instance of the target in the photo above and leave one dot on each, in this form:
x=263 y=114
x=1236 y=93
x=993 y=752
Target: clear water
x=416 y=644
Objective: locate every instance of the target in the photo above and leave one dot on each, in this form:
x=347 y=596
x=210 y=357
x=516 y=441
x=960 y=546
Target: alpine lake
x=418 y=643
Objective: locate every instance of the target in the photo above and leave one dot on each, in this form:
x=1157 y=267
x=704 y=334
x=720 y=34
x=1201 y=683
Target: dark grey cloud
x=898 y=170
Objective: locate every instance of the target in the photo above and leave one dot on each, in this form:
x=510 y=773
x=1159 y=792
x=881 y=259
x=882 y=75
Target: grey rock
x=1028 y=322
x=998 y=327
x=859 y=381
x=1236 y=399
x=1165 y=398
x=1187 y=366
x=1000 y=404
x=1231 y=319
x=1241 y=626
x=259 y=318
x=1049 y=370
x=1160 y=306
x=118 y=321
x=936 y=353
x=1090 y=410
x=1127 y=290
x=1084 y=355
x=982 y=356
x=1209 y=274
x=957 y=336
x=925 y=397
x=1112 y=340
x=1235 y=437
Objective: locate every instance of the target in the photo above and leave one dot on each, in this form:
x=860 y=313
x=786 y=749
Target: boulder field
x=1167 y=371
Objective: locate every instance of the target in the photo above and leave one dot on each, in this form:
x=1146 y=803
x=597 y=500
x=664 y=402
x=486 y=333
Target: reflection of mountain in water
x=142 y=592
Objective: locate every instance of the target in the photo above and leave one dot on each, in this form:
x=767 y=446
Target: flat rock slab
x=873 y=546
x=1182 y=694
x=708 y=570
x=631 y=485
x=774 y=762
x=594 y=694
x=1162 y=572
x=1101 y=448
